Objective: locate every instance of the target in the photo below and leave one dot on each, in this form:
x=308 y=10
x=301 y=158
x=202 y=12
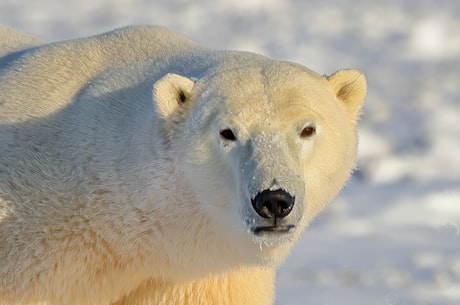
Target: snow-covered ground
x=393 y=236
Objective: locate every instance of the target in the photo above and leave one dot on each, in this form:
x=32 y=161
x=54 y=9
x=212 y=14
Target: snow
x=393 y=235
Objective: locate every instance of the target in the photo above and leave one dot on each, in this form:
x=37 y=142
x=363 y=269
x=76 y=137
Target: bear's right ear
x=170 y=92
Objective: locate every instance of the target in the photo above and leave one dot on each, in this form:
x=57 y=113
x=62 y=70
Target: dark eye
x=308 y=132
x=227 y=134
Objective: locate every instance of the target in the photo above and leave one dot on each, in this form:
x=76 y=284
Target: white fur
x=117 y=188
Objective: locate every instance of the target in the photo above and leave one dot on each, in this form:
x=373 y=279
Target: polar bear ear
x=350 y=87
x=170 y=92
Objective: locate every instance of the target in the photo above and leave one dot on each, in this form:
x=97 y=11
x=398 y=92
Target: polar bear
x=138 y=167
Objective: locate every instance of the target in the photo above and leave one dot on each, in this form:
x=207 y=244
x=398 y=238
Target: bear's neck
x=250 y=285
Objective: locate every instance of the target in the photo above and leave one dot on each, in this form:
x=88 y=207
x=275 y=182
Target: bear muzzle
x=273 y=206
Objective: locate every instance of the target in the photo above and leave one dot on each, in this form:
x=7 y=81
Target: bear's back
x=39 y=79
x=12 y=40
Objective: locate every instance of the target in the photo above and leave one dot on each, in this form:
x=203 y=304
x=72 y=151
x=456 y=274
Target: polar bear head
x=263 y=146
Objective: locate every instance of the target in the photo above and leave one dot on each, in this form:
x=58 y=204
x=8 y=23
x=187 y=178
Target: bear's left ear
x=350 y=87
x=170 y=92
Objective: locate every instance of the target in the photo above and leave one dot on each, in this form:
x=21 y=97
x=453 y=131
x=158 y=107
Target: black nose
x=270 y=204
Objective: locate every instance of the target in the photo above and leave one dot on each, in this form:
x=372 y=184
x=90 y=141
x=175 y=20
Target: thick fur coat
x=137 y=167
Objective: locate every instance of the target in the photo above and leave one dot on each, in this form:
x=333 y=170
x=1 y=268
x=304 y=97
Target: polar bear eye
x=308 y=131
x=227 y=134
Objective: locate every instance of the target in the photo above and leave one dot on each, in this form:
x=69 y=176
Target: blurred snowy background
x=393 y=235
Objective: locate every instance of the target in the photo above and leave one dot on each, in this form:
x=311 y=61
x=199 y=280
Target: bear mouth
x=275 y=229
